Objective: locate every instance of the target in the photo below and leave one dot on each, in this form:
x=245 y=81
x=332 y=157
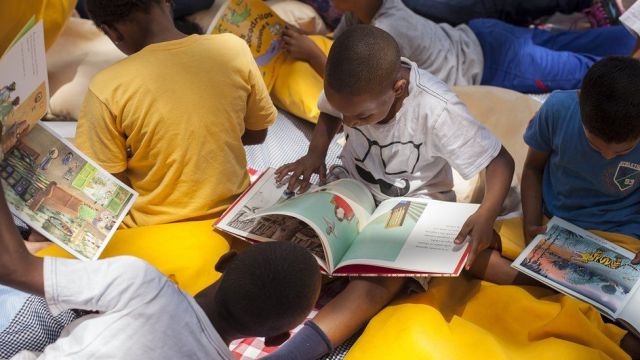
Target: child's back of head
x=610 y=100
x=268 y=289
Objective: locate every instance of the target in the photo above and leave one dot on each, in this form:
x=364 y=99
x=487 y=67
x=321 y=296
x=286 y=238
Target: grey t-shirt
x=453 y=54
x=141 y=313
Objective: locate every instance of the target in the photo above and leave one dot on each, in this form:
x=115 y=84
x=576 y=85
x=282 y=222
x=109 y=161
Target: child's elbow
x=505 y=160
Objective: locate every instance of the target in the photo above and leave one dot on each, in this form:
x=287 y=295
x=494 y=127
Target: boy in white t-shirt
x=405 y=130
x=140 y=314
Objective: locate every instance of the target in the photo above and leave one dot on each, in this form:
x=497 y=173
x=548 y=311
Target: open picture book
x=48 y=183
x=342 y=227
x=578 y=263
x=258 y=25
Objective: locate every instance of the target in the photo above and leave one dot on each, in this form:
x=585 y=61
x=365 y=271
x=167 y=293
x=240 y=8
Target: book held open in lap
x=48 y=183
x=341 y=226
x=578 y=263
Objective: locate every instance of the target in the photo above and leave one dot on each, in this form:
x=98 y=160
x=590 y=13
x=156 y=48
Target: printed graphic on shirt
x=385 y=157
x=626 y=175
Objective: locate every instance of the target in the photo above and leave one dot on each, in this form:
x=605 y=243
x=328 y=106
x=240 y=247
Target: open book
x=341 y=226
x=581 y=264
x=260 y=27
x=47 y=182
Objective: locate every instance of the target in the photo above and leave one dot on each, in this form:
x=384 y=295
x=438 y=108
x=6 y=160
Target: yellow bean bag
x=297 y=86
x=460 y=318
x=15 y=14
x=186 y=252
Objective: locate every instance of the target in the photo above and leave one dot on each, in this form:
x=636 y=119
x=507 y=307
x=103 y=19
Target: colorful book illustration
x=23 y=85
x=48 y=183
x=260 y=27
x=341 y=226
x=581 y=264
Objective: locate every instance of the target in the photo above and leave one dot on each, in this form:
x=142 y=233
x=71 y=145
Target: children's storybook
x=341 y=226
x=260 y=27
x=578 y=263
x=48 y=183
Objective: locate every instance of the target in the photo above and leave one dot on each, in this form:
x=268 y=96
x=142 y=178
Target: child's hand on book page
x=301 y=172
x=531 y=231
x=299 y=46
x=479 y=228
x=636 y=259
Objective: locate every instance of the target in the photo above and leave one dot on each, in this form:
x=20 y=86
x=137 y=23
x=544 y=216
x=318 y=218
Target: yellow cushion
x=297 y=86
x=461 y=318
x=15 y=14
x=186 y=252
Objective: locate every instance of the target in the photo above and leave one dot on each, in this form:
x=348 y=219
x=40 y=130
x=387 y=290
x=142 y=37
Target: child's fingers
x=323 y=174
x=464 y=232
x=472 y=253
x=636 y=259
x=283 y=171
x=294 y=180
x=305 y=182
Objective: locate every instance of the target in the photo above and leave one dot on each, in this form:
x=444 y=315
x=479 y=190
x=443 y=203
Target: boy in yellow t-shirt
x=172 y=118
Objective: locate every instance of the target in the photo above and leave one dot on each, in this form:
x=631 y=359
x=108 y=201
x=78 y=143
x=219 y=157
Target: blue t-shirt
x=579 y=185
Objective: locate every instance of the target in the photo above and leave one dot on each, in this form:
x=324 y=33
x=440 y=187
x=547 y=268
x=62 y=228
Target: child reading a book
x=487 y=51
x=582 y=164
x=140 y=314
x=405 y=131
x=172 y=118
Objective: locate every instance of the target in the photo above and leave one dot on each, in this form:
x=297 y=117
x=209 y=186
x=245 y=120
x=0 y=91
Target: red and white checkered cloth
x=254 y=348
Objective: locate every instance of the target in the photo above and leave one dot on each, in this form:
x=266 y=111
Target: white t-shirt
x=453 y=54
x=631 y=19
x=412 y=154
x=142 y=314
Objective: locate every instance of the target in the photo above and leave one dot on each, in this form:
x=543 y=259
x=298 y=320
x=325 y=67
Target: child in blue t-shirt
x=583 y=165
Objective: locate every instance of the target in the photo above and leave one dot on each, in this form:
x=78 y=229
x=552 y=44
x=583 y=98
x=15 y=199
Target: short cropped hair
x=266 y=287
x=363 y=60
x=114 y=11
x=610 y=100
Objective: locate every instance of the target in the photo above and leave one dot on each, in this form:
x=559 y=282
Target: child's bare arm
x=479 y=226
x=313 y=162
x=18 y=268
x=531 y=193
x=300 y=47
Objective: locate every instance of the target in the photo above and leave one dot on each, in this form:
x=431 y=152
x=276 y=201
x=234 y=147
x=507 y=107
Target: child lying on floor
x=487 y=52
x=172 y=118
x=405 y=130
x=140 y=314
x=583 y=164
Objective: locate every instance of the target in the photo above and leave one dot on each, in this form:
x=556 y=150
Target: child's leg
x=491 y=266
x=341 y=317
x=513 y=61
x=605 y=41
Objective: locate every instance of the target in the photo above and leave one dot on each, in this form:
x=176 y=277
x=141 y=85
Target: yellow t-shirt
x=171 y=117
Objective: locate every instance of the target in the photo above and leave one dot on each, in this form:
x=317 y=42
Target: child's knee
x=376 y=291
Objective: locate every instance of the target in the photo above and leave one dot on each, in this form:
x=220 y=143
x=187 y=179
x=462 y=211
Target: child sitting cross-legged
x=405 y=131
x=140 y=314
x=583 y=166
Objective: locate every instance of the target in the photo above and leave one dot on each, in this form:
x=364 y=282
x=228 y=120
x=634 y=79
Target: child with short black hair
x=405 y=131
x=140 y=314
x=172 y=118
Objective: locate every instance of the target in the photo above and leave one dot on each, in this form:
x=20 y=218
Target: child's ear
x=399 y=87
x=225 y=260
x=277 y=340
x=112 y=33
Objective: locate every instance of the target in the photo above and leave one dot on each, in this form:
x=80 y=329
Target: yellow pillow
x=15 y=14
x=462 y=318
x=298 y=86
x=186 y=252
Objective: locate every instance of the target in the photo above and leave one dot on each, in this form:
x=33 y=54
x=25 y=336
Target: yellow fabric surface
x=185 y=252
x=460 y=318
x=171 y=117
x=512 y=238
x=15 y=14
x=298 y=87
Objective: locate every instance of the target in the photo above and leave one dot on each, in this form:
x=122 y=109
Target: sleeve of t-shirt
x=466 y=144
x=105 y=285
x=100 y=136
x=325 y=107
x=539 y=131
x=631 y=19
x=261 y=113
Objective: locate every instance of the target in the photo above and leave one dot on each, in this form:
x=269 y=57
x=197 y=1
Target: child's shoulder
x=562 y=100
